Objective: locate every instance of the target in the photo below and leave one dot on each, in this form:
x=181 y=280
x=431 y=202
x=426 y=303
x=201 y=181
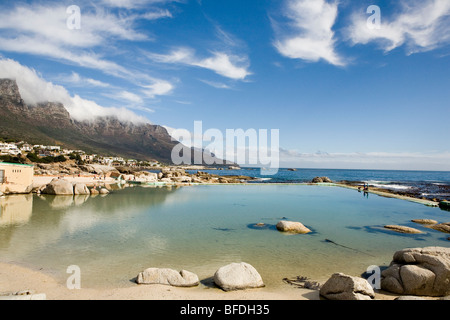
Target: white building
x=9 y=148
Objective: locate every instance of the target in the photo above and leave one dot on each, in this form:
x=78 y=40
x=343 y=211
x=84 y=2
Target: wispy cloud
x=307 y=34
x=226 y=65
x=133 y=4
x=419 y=25
x=214 y=84
x=76 y=79
x=158 y=88
x=46 y=34
x=128 y=96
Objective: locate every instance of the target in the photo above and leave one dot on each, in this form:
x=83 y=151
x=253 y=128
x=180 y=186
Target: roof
x=16 y=164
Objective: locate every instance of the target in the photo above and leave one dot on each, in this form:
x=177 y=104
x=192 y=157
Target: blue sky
x=343 y=95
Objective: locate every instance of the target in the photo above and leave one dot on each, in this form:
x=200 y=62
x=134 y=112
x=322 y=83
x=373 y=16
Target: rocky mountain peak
x=9 y=90
x=51 y=123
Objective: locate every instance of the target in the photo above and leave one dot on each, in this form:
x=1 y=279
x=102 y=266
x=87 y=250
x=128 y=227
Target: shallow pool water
x=202 y=228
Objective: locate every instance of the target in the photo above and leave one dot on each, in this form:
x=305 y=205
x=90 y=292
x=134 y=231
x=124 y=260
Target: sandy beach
x=14 y=278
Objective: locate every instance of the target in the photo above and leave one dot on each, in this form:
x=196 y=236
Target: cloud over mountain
x=34 y=89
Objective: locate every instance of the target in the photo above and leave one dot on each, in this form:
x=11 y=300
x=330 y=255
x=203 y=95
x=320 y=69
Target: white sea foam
x=390 y=186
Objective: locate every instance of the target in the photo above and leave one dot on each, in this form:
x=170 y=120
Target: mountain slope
x=50 y=123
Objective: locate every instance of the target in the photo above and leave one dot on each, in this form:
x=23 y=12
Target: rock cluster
x=413 y=274
x=321 y=180
x=178 y=175
x=62 y=187
x=171 y=175
x=235 y=276
x=419 y=271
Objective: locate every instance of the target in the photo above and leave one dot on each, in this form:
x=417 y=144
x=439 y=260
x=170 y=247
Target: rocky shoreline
x=390 y=193
x=72 y=179
x=413 y=192
x=97 y=176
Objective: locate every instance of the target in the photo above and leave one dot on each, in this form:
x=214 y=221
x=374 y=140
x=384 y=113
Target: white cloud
x=217 y=85
x=310 y=36
x=127 y=96
x=76 y=79
x=34 y=89
x=420 y=25
x=42 y=30
x=133 y=4
x=229 y=66
x=157 y=14
x=158 y=88
x=368 y=160
x=50 y=23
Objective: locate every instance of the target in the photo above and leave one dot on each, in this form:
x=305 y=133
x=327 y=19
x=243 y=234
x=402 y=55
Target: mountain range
x=51 y=124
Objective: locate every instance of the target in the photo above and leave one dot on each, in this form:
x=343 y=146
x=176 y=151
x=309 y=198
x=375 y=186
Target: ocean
x=427 y=184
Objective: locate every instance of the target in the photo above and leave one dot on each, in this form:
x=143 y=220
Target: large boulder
x=321 y=180
x=344 y=287
x=238 y=276
x=80 y=189
x=145 y=177
x=292 y=227
x=419 y=271
x=104 y=191
x=58 y=187
x=169 y=277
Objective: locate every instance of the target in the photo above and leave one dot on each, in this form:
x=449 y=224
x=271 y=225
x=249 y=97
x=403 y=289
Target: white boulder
x=238 y=276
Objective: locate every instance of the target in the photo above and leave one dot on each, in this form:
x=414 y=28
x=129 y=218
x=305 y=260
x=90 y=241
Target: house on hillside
x=8 y=149
x=16 y=178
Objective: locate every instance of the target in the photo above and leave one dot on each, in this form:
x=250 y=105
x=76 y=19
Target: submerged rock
x=166 y=276
x=403 y=229
x=442 y=227
x=344 y=287
x=419 y=271
x=238 y=276
x=424 y=221
x=292 y=227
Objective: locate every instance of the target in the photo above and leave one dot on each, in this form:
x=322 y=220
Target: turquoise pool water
x=202 y=228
